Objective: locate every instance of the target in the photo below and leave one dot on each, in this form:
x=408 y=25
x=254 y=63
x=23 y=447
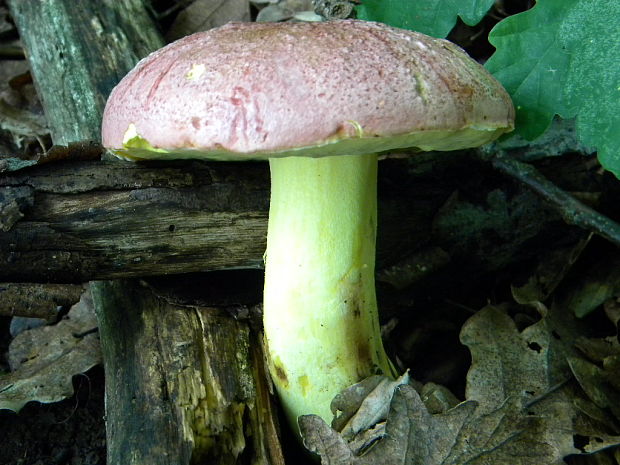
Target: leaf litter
x=43 y=360
x=542 y=386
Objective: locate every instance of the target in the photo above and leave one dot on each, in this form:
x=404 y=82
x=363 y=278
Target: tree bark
x=77 y=53
x=101 y=220
x=179 y=382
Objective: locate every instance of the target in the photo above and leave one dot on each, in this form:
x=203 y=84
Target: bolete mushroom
x=319 y=100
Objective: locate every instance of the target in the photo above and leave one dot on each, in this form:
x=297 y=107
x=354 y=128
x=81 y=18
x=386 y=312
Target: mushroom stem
x=320 y=313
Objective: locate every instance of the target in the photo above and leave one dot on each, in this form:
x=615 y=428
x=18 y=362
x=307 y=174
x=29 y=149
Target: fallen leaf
x=6 y=25
x=550 y=270
x=593 y=381
x=437 y=398
x=21 y=123
x=462 y=435
x=74 y=151
x=347 y=402
x=524 y=405
x=506 y=362
x=14 y=164
x=597 y=284
x=201 y=15
x=599 y=372
x=43 y=360
x=612 y=310
x=533 y=364
x=372 y=409
x=274 y=13
x=334 y=9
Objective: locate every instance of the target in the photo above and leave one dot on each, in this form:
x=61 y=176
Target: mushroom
x=319 y=100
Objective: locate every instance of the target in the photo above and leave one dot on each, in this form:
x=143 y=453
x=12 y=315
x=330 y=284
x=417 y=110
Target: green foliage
x=561 y=57
x=433 y=17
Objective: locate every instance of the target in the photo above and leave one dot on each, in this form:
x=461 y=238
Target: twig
x=11 y=52
x=572 y=210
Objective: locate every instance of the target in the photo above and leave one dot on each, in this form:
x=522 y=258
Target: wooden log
x=101 y=220
x=206 y=408
x=84 y=220
x=170 y=398
x=37 y=300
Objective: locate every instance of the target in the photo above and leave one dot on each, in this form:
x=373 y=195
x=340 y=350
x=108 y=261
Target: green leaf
x=592 y=90
x=433 y=17
x=561 y=57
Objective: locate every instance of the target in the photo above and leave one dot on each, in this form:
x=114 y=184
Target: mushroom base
x=320 y=313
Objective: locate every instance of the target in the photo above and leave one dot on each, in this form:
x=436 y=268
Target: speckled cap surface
x=255 y=90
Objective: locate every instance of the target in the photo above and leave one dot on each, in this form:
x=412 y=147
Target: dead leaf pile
x=543 y=386
x=43 y=360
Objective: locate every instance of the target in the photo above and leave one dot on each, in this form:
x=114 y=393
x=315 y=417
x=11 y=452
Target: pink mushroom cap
x=258 y=90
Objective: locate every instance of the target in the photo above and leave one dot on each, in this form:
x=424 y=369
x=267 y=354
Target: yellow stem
x=320 y=313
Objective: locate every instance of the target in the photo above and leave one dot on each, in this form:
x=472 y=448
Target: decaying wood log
x=37 y=300
x=181 y=384
x=83 y=220
x=101 y=220
x=207 y=407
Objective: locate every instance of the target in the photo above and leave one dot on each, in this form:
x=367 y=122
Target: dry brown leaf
x=335 y=9
x=80 y=150
x=524 y=406
x=534 y=365
x=43 y=360
x=5 y=24
x=550 y=270
x=201 y=15
x=369 y=408
x=283 y=10
x=462 y=435
x=274 y=13
x=21 y=123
